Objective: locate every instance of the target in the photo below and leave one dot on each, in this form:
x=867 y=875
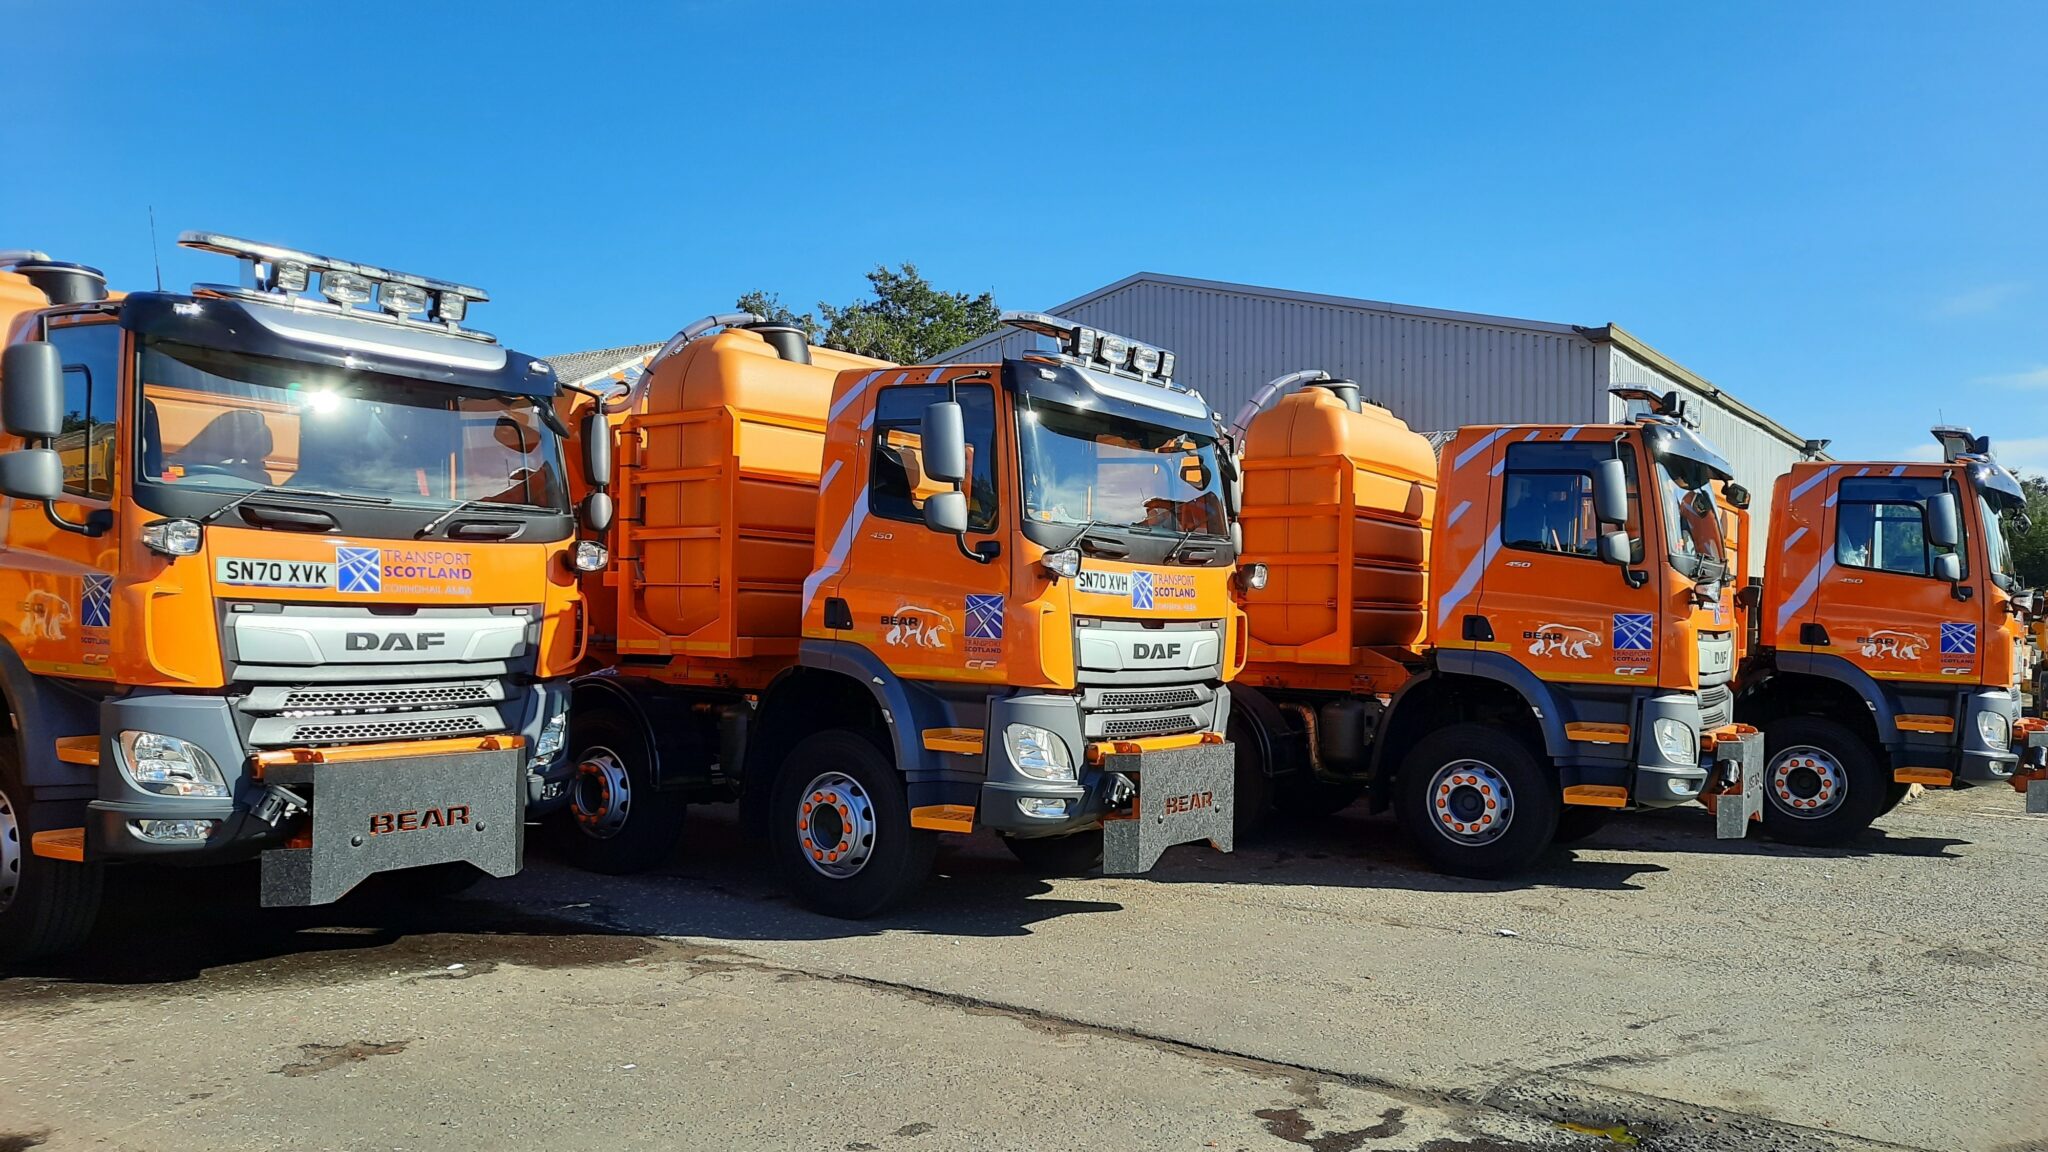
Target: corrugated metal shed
x=1432 y=367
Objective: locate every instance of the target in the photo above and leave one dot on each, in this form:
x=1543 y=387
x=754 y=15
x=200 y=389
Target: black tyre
x=1894 y=795
x=839 y=827
x=47 y=907
x=1254 y=813
x=1073 y=855
x=1575 y=823
x=1476 y=801
x=1822 y=782
x=616 y=823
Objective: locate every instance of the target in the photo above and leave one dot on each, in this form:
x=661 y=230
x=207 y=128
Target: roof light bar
x=1670 y=405
x=271 y=273
x=1098 y=349
x=1958 y=442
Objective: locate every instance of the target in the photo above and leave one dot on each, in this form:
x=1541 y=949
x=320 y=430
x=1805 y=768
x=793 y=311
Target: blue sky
x=1837 y=212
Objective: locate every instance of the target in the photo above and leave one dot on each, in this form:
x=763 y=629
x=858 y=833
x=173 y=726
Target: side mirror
x=1610 y=492
x=1614 y=548
x=1736 y=494
x=597 y=449
x=1944 y=529
x=942 y=443
x=597 y=511
x=32 y=400
x=1194 y=473
x=32 y=474
x=1949 y=566
x=946 y=511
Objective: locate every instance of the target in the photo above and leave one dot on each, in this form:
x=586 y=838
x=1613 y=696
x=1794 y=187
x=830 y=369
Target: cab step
x=79 y=750
x=60 y=844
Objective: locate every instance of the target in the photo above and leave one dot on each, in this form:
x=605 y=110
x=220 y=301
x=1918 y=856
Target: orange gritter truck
x=876 y=603
x=287 y=576
x=1504 y=645
x=1887 y=639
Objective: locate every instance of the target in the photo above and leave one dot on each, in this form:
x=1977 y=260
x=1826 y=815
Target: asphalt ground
x=1316 y=989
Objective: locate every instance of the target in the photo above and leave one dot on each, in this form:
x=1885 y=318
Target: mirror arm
x=982 y=553
x=95 y=524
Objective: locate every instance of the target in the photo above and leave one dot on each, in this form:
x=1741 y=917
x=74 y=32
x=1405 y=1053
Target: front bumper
x=1980 y=762
x=1657 y=780
x=340 y=783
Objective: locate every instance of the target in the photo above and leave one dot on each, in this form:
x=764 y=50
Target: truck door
x=1564 y=613
x=1881 y=603
x=917 y=601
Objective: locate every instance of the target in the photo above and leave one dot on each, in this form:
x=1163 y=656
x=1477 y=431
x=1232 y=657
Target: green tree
x=770 y=306
x=907 y=321
x=2030 y=548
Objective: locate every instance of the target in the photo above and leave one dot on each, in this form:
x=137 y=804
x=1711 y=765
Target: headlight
x=171 y=537
x=589 y=556
x=169 y=766
x=1065 y=563
x=1252 y=576
x=1038 y=753
x=1994 y=730
x=550 y=740
x=1676 y=740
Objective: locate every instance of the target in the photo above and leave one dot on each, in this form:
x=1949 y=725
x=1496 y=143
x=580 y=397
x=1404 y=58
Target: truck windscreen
x=215 y=420
x=1083 y=468
x=1693 y=521
x=1996 y=552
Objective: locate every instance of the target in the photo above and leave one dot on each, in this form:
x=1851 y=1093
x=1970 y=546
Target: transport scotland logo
x=1633 y=631
x=96 y=606
x=984 y=617
x=361 y=569
x=1141 y=589
x=1958 y=639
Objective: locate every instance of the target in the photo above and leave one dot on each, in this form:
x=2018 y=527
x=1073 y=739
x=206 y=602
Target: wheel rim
x=1807 y=782
x=1471 y=802
x=10 y=852
x=835 y=825
x=601 y=798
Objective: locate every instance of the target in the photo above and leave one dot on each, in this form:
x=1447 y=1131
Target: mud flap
x=1739 y=766
x=1184 y=794
x=371 y=816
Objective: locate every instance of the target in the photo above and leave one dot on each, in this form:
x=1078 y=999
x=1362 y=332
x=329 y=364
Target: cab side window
x=1547 y=498
x=897 y=485
x=92 y=387
x=1881 y=524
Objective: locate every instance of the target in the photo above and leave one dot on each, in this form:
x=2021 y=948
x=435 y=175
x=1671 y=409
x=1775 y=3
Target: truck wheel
x=1475 y=801
x=616 y=823
x=1575 y=823
x=1254 y=787
x=47 y=907
x=1071 y=855
x=839 y=827
x=1822 y=784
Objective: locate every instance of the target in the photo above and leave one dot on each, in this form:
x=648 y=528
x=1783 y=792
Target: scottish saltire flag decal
x=1141 y=589
x=1633 y=631
x=984 y=617
x=96 y=606
x=361 y=569
x=1958 y=639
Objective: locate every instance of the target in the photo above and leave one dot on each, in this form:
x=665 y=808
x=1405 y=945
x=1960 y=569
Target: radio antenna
x=155 y=257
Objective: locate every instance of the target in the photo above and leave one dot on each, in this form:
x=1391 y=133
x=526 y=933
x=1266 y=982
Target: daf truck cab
x=1504 y=643
x=289 y=567
x=877 y=603
x=1888 y=637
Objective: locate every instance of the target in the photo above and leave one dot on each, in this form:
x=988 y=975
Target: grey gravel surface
x=1317 y=989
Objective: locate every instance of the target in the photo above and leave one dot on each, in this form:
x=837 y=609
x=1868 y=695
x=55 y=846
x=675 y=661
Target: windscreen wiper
x=472 y=502
x=276 y=490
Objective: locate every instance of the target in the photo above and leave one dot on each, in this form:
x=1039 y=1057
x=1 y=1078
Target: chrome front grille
x=344 y=698
x=1185 y=696
x=340 y=730
x=1717 y=707
x=1137 y=727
